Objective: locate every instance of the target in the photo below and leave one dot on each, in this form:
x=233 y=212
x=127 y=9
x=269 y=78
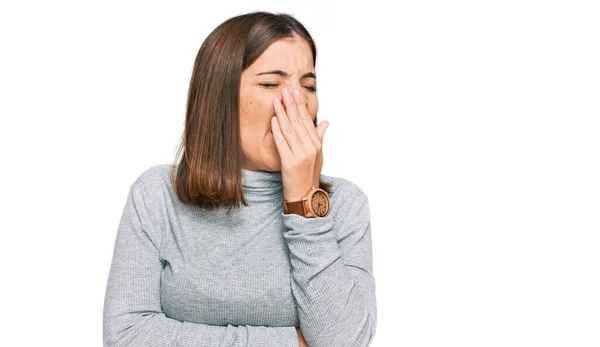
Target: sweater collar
x=262 y=185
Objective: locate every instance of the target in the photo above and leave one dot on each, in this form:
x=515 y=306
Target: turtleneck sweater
x=184 y=276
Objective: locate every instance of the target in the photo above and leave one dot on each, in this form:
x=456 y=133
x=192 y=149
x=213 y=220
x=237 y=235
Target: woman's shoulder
x=349 y=202
x=155 y=174
x=154 y=180
x=343 y=187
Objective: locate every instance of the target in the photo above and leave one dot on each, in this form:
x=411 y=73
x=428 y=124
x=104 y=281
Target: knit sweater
x=183 y=276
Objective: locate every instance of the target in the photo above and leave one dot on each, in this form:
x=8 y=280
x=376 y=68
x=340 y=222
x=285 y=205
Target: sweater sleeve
x=132 y=314
x=332 y=272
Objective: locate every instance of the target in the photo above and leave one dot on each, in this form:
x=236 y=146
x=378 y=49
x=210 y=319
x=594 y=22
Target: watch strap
x=296 y=207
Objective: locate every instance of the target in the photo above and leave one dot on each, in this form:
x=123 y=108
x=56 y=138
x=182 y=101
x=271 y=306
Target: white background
x=473 y=127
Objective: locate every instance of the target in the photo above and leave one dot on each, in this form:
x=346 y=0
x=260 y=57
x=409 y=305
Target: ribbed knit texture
x=185 y=276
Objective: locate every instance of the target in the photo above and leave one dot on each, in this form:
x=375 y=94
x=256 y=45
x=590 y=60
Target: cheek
x=255 y=119
x=250 y=113
x=247 y=107
x=313 y=106
x=259 y=108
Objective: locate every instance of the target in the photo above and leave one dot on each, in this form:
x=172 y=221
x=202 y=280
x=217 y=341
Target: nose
x=292 y=87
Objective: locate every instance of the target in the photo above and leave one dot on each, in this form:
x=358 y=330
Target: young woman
x=243 y=242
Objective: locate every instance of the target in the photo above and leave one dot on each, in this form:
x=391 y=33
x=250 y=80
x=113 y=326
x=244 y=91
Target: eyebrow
x=285 y=74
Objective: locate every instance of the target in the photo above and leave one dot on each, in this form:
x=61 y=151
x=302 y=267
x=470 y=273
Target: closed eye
x=311 y=89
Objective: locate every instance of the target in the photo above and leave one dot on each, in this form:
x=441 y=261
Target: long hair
x=209 y=171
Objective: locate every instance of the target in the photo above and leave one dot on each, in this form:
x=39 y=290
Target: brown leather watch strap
x=296 y=207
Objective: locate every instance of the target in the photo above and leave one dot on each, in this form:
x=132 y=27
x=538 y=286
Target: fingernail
x=277 y=102
x=297 y=93
x=286 y=92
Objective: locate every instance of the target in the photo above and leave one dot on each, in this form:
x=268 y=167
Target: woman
x=221 y=249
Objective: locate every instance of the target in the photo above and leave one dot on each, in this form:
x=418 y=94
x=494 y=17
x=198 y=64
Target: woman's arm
x=132 y=311
x=332 y=272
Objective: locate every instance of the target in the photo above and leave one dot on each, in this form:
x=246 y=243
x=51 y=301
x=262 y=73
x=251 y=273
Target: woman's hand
x=299 y=144
x=301 y=338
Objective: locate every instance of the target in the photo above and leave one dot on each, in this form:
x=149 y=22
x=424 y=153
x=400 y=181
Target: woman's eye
x=268 y=85
x=271 y=85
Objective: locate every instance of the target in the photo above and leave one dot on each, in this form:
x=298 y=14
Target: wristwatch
x=315 y=204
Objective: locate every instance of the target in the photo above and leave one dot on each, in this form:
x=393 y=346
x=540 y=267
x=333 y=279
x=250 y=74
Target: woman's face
x=285 y=63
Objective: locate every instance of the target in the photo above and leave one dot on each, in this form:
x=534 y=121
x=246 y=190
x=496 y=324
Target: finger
x=286 y=129
x=280 y=142
x=306 y=118
x=291 y=109
x=321 y=129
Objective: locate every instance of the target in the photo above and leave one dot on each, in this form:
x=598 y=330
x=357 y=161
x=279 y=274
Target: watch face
x=320 y=203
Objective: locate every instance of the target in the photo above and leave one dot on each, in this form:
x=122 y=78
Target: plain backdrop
x=472 y=126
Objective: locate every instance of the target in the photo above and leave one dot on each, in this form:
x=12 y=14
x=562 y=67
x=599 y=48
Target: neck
x=261 y=185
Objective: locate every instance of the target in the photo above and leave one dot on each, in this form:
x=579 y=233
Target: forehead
x=290 y=55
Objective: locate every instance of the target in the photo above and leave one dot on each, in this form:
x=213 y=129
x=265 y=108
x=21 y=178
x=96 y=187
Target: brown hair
x=209 y=173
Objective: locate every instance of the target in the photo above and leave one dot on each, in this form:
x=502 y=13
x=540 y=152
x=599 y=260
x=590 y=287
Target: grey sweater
x=185 y=276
